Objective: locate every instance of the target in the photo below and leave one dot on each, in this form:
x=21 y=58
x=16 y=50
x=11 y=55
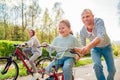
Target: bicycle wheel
x=8 y=69
x=41 y=65
x=61 y=76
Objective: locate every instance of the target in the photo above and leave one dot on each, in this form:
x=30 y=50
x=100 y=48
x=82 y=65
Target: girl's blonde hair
x=67 y=23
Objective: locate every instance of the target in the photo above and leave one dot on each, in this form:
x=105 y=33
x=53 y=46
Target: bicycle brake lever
x=73 y=52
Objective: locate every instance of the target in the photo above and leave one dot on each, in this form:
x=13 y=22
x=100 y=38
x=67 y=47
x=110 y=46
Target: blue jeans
x=107 y=53
x=67 y=64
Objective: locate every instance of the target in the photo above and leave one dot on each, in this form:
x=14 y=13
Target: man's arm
x=92 y=44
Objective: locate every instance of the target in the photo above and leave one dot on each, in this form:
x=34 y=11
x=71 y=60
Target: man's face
x=87 y=18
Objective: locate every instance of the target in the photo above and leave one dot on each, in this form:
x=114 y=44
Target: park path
x=86 y=72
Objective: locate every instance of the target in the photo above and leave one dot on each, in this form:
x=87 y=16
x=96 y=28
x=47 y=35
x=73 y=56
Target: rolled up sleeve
x=82 y=38
x=101 y=29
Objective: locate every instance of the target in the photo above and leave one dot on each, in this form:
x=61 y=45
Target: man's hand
x=77 y=49
x=92 y=44
x=85 y=50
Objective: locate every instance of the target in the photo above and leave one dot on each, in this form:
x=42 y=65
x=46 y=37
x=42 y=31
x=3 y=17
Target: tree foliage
x=18 y=16
x=118 y=8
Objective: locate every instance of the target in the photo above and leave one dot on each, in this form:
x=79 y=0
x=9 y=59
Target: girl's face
x=30 y=33
x=64 y=30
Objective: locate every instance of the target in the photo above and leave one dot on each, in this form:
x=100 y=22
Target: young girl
x=64 y=40
x=33 y=45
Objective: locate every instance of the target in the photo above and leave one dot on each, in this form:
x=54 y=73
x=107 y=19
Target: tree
x=4 y=14
x=46 y=26
x=118 y=8
x=17 y=15
x=58 y=13
x=34 y=12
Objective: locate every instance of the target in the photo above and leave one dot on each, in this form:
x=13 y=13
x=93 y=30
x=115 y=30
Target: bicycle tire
x=63 y=77
x=11 y=73
x=42 y=64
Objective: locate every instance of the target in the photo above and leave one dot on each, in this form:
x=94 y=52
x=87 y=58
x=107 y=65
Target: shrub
x=6 y=48
x=116 y=49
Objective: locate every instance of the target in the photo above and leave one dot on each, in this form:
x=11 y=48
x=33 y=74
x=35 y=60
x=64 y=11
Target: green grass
x=83 y=62
x=88 y=60
x=9 y=74
x=22 y=70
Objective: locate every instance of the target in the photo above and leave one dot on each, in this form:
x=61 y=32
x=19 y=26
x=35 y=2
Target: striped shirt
x=98 y=31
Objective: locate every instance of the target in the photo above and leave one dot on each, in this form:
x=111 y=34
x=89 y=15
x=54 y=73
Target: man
x=99 y=45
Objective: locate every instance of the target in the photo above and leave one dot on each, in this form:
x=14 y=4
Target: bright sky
x=105 y=9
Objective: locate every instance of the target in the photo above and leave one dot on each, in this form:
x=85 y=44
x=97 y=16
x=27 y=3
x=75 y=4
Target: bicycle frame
x=10 y=60
x=19 y=54
x=40 y=63
x=57 y=76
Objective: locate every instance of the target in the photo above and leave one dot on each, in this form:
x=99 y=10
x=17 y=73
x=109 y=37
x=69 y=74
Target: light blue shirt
x=98 y=31
x=60 y=44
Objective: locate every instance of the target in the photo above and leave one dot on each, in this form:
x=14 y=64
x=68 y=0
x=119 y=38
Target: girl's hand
x=21 y=45
x=76 y=49
x=44 y=44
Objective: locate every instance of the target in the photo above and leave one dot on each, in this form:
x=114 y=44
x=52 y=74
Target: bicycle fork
x=9 y=61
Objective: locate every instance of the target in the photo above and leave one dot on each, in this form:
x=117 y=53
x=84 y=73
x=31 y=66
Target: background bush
x=7 y=48
x=116 y=49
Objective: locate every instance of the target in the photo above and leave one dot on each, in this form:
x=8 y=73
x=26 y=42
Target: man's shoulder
x=98 y=20
x=83 y=29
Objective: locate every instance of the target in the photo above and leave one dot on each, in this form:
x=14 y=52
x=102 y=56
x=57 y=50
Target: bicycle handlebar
x=69 y=49
x=18 y=45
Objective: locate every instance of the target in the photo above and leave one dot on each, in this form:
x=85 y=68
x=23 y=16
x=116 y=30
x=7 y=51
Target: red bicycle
x=55 y=74
x=9 y=67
